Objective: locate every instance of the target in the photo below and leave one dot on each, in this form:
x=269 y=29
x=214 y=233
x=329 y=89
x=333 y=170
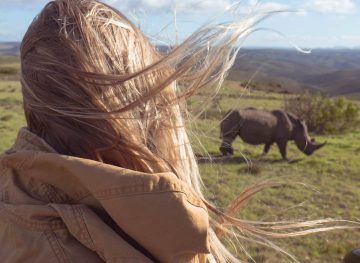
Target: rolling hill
x=332 y=71
x=338 y=82
x=9 y=48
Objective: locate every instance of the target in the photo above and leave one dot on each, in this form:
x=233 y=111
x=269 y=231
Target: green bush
x=325 y=115
x=8 y=70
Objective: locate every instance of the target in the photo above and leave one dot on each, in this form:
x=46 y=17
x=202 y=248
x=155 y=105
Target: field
x=334 y=171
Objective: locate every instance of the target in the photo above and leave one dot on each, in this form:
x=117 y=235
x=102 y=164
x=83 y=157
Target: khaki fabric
x=57 y=208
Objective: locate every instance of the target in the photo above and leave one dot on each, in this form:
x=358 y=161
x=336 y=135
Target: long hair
x=95 y=87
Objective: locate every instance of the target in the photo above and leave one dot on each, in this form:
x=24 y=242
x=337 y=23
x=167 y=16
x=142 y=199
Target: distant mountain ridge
x=334 y=71
x=338 y=82
x=9 y=48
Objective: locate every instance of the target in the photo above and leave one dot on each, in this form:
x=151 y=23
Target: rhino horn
x=312 y=146
x=320 y=145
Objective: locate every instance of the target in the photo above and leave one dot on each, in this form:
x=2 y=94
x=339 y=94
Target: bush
x=8 y=70
x=325 y=115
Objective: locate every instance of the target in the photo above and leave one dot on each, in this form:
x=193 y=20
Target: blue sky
x=317 y=23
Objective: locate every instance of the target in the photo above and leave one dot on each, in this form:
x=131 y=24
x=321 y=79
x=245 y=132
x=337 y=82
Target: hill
x=330 y=70
x=9 y=48
x=338 y=82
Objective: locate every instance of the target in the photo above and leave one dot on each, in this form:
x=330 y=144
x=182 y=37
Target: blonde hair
x=95 y=87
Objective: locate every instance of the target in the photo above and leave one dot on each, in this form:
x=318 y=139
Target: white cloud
x=333 y=6
x=147 y=6
x=264 y=6
x=184 y=6
x=21 y=3
x=197 y=6
x=169 y=5
x=271 y=6
x=354 y=39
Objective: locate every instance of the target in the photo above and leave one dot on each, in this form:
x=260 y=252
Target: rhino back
x=257 y=126
x=284 y=125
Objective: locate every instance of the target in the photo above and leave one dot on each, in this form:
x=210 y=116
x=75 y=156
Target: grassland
x=334 y=171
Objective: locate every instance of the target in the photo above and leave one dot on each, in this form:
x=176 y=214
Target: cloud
x=6 y=33
x=188 y=6
x=271 y=6
x=197 y=6
x=333 y=6
x=164 y=6
x=266 y=6
x=146 y=6
x=21 y=3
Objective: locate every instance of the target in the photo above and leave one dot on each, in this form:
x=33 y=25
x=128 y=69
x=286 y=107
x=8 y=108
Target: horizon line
x=250 y=46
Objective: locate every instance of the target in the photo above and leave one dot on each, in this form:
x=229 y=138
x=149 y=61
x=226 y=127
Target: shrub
x=8 y=70
x=325 y=115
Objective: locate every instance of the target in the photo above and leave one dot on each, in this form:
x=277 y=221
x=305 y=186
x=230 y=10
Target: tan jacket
x=57 y=208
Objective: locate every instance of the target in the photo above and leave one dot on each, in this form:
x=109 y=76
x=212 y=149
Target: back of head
x=82 y=80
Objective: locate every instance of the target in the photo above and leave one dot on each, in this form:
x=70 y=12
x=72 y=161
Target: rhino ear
x=302 y=122
x=299 y=122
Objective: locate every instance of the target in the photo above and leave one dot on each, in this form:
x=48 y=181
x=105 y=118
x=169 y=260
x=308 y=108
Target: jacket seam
x=23 y=164
x=142 y=188
x=56 y=247
x=30 y=224
x=47 y=189
x=52 y=195
x=190 y=199
x=117 y=259
x=84 y=227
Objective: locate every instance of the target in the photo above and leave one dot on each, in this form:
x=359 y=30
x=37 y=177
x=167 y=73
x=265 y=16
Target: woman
x=104 y=170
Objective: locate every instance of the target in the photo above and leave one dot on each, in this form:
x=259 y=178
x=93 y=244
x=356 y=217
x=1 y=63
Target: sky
x=305 y=23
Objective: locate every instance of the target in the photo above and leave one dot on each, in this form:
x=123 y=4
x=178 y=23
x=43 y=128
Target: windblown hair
x=95 y=87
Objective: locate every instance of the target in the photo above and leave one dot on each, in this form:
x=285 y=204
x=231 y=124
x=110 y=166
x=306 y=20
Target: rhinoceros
x=256 y=126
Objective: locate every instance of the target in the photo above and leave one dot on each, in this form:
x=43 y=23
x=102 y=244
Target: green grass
x=334 y=171
x=11 y=112
x=9 y=68
x=10 y=60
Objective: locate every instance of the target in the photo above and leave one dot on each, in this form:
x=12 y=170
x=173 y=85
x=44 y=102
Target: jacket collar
x=26 y=140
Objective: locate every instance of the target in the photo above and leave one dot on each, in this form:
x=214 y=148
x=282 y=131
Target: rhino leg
x=282 y=147
x=226 y=148
x=267 y=148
